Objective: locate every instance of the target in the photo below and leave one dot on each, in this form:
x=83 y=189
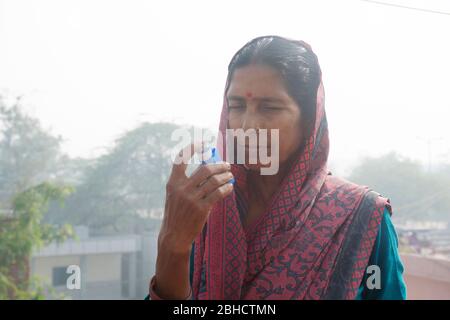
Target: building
x=118 y=267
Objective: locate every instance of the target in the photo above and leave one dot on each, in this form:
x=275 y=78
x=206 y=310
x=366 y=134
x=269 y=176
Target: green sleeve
x=385 y=255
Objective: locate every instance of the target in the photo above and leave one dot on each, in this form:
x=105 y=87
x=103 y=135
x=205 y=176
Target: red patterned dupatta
x=313 y=242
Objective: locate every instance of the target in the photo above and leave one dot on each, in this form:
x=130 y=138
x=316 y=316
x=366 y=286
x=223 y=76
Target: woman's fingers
x=207 y=185
x=206 y=171
x=218 y=194
x=212 y=183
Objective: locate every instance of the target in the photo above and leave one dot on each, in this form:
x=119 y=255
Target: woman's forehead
x=256 y=81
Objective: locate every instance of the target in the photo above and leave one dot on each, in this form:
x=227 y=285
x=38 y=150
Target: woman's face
x=257 y=98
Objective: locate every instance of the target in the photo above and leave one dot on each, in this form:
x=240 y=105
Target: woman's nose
x=250 y=122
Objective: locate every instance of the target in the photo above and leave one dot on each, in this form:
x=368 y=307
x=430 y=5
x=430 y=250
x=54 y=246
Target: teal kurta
x=385 y=255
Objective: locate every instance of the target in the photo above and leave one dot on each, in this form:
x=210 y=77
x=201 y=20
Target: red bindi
x=248 y=94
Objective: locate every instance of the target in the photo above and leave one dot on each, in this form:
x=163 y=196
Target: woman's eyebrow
x=264 y=99
x=236 y=98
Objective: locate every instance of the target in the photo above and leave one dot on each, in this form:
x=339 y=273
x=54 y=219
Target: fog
x=90 y=70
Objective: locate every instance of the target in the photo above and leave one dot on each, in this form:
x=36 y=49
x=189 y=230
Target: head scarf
x=313 y=241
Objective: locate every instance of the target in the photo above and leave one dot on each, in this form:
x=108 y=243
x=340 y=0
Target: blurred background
x=90 y=92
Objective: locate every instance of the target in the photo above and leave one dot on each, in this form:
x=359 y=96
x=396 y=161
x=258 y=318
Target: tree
x=414 y=192
x=28 y=153
x=122 y=187
x=21 y=233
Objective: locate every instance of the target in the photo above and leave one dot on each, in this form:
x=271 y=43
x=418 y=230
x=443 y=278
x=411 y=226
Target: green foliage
x=23 y=232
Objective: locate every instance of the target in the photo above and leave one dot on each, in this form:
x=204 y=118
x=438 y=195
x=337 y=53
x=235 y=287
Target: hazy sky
x=92 y=69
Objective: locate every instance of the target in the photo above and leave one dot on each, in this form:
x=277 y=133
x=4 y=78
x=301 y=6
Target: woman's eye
x=271 y=108
x=235 y=107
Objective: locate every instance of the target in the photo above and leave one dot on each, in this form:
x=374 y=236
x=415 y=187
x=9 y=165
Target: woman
x=298 y=234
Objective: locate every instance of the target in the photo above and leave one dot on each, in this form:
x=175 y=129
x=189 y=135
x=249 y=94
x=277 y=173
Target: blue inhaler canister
x=215 y=157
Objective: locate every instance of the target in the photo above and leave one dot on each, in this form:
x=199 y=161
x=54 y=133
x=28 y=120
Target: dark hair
x=294 y=60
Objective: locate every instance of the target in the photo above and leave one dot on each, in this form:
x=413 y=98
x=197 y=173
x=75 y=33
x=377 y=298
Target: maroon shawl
x=313 y=242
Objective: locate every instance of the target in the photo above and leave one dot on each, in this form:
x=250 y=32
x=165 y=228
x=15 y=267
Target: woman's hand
x=188 y=203
x=190 y=199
